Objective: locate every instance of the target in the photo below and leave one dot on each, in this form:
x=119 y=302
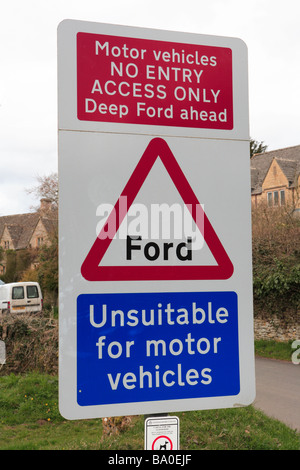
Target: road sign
x=92 y=269
x=155 y=235
x=162 y=433
x=146 y=81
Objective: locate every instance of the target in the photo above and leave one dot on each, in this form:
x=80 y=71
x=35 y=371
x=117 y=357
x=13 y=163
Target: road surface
x=278 y=390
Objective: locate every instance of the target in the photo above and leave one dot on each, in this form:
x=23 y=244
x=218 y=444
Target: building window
x=6 y=245
x=39 y=241
x=270 y=199
x=275 y=198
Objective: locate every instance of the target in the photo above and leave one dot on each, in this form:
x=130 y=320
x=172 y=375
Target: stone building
x=24 y=231
x=275 y=178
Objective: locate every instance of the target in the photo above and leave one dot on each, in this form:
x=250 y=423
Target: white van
x=21 y=297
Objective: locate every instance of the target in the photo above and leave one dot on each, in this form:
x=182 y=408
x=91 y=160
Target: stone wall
x=277 y=327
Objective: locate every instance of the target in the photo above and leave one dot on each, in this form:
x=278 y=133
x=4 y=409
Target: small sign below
x=162 y=433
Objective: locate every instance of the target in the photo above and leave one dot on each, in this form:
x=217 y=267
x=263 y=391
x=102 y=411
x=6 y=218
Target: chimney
x=46 y=205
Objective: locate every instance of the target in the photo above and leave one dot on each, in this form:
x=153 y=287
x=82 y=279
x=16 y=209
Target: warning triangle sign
x=92 y=270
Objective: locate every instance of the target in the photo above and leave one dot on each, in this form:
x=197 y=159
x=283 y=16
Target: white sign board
x=162 y=433
x=155 y=224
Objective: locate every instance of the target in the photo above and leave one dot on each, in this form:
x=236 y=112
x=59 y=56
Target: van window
x=32 y=292
x=18 y=292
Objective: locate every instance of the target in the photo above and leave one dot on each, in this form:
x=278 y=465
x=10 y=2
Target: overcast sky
x=28 y=83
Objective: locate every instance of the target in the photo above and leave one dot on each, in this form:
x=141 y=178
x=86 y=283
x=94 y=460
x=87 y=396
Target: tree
x=47 y=270
x=10 y=273
x=47 y=187
x=257 y=147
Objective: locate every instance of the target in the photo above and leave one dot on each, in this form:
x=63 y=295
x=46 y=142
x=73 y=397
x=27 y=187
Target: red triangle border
x=92 y=271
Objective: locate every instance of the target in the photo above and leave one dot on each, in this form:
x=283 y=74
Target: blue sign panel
x=156 y=346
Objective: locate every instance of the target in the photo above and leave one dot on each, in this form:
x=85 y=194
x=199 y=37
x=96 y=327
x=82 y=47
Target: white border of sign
x=75 y=135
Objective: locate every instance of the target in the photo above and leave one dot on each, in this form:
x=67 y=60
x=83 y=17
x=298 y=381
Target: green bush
x=31 y=343
x=276 y=259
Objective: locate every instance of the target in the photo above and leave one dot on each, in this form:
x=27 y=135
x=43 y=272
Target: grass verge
x=30 y=420
x=274 y=349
